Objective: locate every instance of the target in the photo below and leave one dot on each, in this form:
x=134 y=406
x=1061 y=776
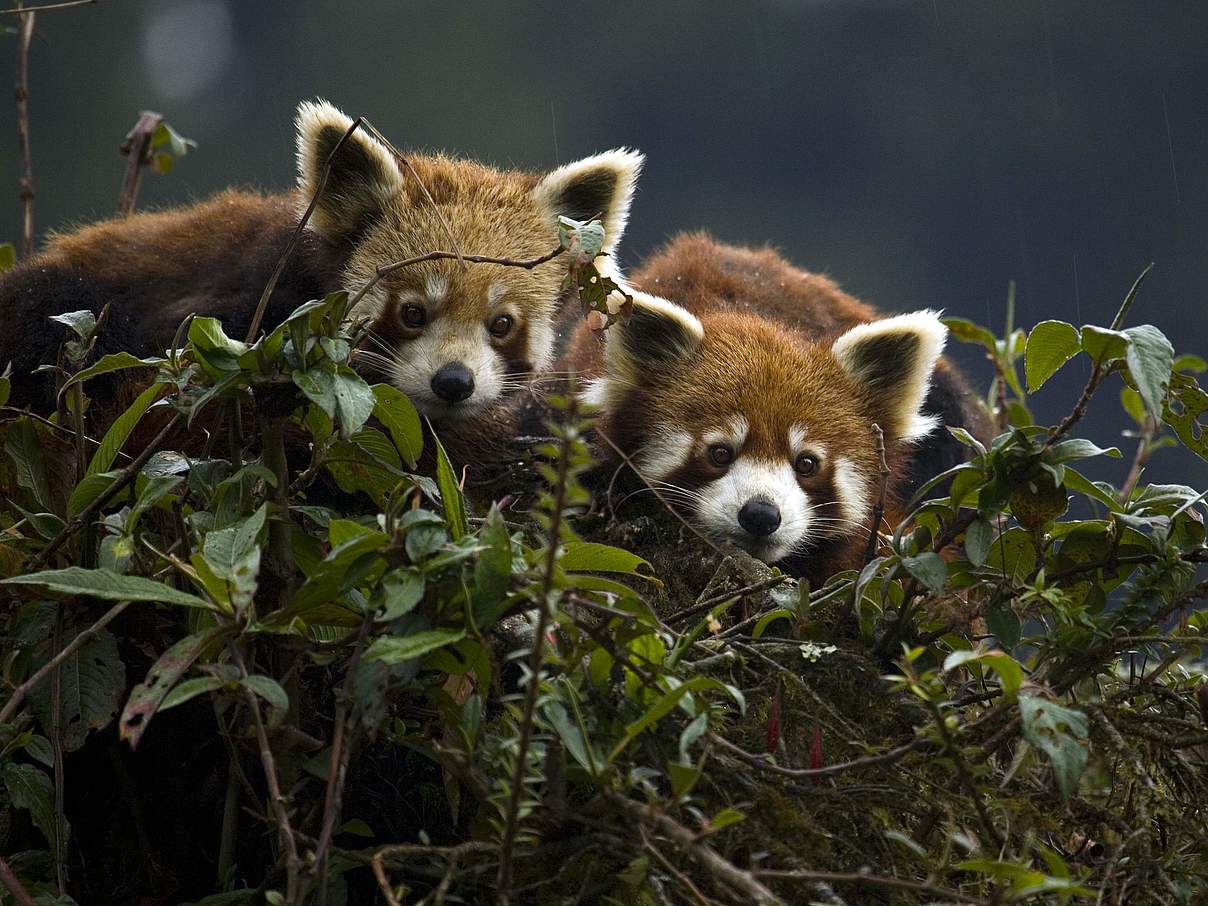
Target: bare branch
x=18 y=696
x=19 y=10
x=878 y=511
x=25 y=34
x=137 y=148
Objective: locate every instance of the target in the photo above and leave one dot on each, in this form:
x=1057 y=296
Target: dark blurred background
x=923 y=153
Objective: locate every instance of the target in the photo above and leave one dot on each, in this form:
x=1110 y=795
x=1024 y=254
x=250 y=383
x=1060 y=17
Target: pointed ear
x=600 y=186
x=657 y=334
x=894 y=358
x=364 y=176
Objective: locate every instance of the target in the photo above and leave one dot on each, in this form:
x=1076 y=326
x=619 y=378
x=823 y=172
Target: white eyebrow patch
x=734 y=432
x=797 y=437
x=437 y=287
x=851 y=488
x=495 y=293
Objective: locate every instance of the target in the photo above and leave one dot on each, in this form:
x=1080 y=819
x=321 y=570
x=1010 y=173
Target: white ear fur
x=658 y=333
x=364 y=174
x=598 y=186
x=896 y=357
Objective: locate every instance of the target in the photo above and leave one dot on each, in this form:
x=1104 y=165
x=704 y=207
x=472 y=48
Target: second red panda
x=747 y=397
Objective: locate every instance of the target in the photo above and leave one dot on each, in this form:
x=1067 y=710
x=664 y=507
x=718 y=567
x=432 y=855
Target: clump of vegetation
x=254 y=652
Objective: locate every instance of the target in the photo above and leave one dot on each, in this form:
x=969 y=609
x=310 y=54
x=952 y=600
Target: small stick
x=262 y=305
x=888 y=757
x=1140 y=459
x=713 y=601
x=878 y=511
x=19 y=10
x=866 y=880
x=20 y=894
x=18 y=696
x=25 y=29
x=137 y=148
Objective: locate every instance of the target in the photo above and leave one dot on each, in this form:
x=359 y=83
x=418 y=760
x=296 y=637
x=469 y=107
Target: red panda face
x=763 y=438
x=454 y=338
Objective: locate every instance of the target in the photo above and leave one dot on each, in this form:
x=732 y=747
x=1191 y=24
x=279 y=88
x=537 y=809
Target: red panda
x=747 y=397
x=454 y=340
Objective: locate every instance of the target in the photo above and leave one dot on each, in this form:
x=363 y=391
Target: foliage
x=999 y=707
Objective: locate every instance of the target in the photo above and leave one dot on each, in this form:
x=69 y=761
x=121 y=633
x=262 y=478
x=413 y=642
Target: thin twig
x=18 y=10
x=724 y=871
x=721 y=597
x=387 y=269
x=830 y=770
x=262 y=305
x=867 y=880
x=127 y=475
x=962 y=771
x=410 y=849
x=293 y=864
x=137 y=148
x=1099 y=372
x=878 y=511
x=25 y=34
x=1140 y=459
x=536 y=657
x=18 y=695
x=440 y=215
x=337 y=771
x=9 y=879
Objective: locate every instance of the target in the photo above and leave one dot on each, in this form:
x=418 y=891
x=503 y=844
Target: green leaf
x=394 y=409
x=24 y=447
x=725 y=818
x=6 y=387
x=319 y=385
x=662 y=707
x=213 y=346
x=120 y=430
x=31 y=790
x=1078 y=448
x=1009 y=670
x=584 y=556
x=189 y=690
x=1050 y=345
x=1004 y=624
x=1102 y=344
x=1150 y=359
x=8 y=258
x=929 y=568
x=268 y=689
x=450 y=493
x=492 y=570
x=1187 y=413
x=978 y=537
x=1059 y=732
x=147 y=697
x=156 y=489
x=354 y=400
x=401 y=591
x=108 y=585
x=81 y=323
x=968 y=332
x=226 y=548
x=118 y=361
x=91 y=684
x=392 y=649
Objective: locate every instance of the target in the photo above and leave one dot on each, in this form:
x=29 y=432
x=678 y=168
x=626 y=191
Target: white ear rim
x=933 y=335
x=626 y=163
x=619 y=373
x=315 y=116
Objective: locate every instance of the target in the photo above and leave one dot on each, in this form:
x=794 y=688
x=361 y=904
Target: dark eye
x=720 y=454
x=501 y=326
x=806 y=465
x=415 y=315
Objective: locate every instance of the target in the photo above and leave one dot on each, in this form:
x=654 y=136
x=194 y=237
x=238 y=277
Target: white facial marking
x=797 y=438
x=495 y=293
x=437 y=287
x=442 y=342
x=540 y=343
x=734 y=433
x=750 y=478
x=663 y=454
x=852 y=491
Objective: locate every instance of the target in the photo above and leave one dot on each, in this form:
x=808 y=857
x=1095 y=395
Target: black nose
x=453 y=382
x=759 y=517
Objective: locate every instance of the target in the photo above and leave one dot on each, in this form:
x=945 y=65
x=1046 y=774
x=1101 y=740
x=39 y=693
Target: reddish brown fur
x=767 y=332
